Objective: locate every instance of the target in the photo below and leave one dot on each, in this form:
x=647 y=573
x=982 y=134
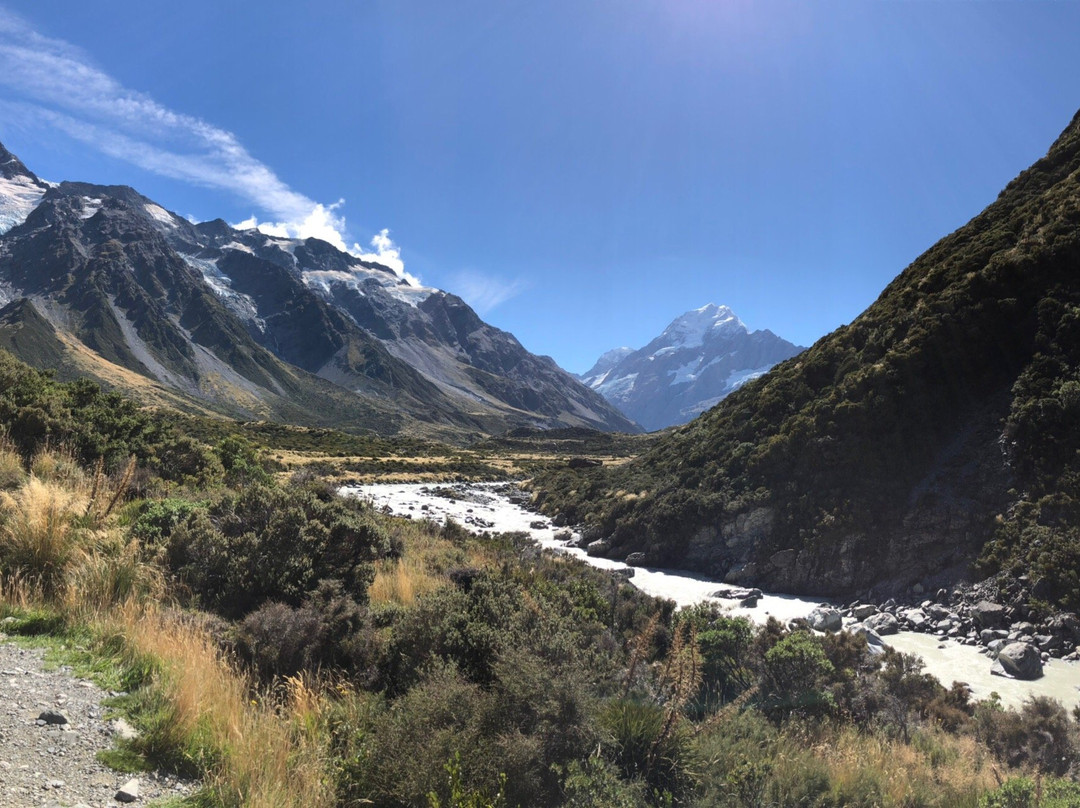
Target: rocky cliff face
x=259 y=326
x=700 y=358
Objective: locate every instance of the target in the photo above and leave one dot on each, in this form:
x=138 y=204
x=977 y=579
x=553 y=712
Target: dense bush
x=1024 y=792
x=793 y=676
x=275 y=544
x=726 y=649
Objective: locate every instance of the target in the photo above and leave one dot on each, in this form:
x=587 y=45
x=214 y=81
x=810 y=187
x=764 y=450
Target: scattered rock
x=916 y=619
x=988 y=614
x=863 y=611
x=1065 y=624
x=825 y=618
x=52 y=764
x=636 y=559
x=737 y=594
x=123 y=730
x=583 y=463
x=882 y=623
x=874 y=643
x=598 y=547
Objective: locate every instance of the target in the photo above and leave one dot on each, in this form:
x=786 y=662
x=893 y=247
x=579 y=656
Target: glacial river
x=949 y=661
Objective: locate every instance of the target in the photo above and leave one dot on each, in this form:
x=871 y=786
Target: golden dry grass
x=265 y=750
x=401 y=581
x=933 y=768
x=12 y=473
x=39 y=534
x=271 y=753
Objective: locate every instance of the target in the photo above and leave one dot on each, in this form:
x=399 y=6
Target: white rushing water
x=484 y=509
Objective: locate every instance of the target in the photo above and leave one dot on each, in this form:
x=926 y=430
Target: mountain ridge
x=260 y=326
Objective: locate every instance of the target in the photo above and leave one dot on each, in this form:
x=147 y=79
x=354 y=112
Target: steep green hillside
x=943 y=418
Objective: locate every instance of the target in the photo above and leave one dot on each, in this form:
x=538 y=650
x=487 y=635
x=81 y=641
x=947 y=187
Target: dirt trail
x=54 y=764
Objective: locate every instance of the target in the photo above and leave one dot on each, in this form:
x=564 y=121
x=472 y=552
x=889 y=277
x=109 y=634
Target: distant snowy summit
x=701 y=357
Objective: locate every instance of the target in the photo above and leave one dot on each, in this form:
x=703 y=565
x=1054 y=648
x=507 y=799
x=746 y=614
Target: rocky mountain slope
x=937 y=428
x=700 y=358
x=101 y=281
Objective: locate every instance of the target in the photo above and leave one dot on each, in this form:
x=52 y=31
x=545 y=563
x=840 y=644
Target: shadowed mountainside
x=937 y=425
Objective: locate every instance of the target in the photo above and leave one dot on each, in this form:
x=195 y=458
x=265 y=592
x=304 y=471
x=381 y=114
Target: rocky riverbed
x=52 y=726
x=958 y=633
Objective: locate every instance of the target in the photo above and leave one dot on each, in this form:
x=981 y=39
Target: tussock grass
x=110 y=573
x=401 y=581
x=39 y=532
x=12 y=474
x=59 y=465
x=261 y=751
x=933 y=769
x=427 y=557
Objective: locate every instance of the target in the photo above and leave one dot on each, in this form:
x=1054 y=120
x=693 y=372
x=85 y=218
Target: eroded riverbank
x=480 y=507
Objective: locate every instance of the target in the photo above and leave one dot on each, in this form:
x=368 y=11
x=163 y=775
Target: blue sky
x=582 y=172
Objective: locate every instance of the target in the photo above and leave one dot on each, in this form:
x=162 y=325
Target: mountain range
x=700 y=358
x=100 y=281
x=936 y=431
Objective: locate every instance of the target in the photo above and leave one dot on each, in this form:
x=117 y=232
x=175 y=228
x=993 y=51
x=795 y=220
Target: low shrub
x=1039 y=735
x=329 y=631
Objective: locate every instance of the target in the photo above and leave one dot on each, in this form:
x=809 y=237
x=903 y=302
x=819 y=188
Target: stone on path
x=53 y=717
x=122 y=729
x=129 y=791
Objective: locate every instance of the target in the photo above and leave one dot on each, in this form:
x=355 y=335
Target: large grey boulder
x=1018 y=660
x=825 y=618
x=874 y=643
x=598 y=548
x=882 y=623
x=917 y=619
x=1065 y=624
x=988 y=614
x=863 y=611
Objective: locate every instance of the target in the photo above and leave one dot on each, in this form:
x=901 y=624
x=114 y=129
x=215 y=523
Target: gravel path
x=52 y=764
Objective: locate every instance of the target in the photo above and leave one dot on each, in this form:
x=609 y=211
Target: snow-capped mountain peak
x=702 y=356
x=695 y=327
x=20 y=191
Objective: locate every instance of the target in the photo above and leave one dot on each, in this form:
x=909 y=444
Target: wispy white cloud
x=386 y=253
x=51 y=83
x=485 y=292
